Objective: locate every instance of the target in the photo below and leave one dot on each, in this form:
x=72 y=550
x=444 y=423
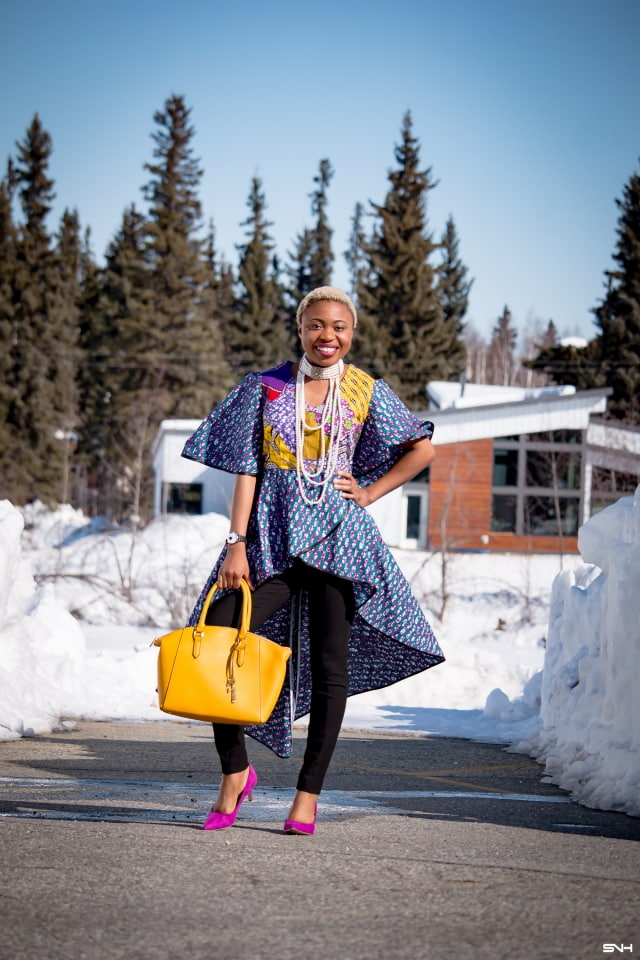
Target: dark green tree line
x=95 y=356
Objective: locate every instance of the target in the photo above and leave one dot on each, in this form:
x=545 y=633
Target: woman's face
x=326 y=332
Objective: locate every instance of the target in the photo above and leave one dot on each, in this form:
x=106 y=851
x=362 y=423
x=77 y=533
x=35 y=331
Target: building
x=516 y=469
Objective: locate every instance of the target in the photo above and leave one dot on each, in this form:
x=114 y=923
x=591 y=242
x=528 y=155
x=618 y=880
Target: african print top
x=253 y=431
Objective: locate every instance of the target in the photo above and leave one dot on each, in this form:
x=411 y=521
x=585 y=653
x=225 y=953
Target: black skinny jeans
x=331 y=612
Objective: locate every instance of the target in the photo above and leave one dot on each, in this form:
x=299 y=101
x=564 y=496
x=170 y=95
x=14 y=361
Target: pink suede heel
x=295 y=826
x=217 y=820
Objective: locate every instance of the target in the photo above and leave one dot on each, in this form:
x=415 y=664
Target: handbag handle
x=239 y=646
x=245 y=616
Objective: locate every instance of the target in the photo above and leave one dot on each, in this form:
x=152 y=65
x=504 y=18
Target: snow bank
x=46 y=671
x=590 y=709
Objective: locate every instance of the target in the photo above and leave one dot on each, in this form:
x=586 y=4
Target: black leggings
x=331 y=612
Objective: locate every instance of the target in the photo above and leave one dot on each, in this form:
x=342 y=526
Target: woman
x=312 y=444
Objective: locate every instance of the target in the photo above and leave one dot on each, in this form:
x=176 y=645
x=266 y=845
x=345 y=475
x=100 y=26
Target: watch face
x=232 y=538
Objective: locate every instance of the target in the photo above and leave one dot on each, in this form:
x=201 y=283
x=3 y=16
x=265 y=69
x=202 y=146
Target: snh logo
x=617 y=948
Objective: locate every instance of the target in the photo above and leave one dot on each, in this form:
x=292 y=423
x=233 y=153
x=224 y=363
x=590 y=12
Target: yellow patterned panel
x=357 y=389
x=275 y=451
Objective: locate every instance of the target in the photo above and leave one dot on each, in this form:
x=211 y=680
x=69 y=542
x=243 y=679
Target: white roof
x=452 y=396
x=530 y=414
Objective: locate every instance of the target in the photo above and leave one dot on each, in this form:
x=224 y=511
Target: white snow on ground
x=75 y=641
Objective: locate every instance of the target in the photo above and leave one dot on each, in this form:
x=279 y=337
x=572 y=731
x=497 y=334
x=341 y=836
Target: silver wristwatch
x=233 y=537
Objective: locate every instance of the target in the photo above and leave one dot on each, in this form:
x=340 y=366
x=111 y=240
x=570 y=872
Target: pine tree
x=401 y=332
x=156 y=333
x=220 y=280
x=299 y=270
x=312 y=260
x=321 y=260
x=66 y=360
x=183 y=340
x=118 y=384
x=84 y=491
x=44 y=334
x=10 y=487
x=355 y=255
x=618 y=316
x=257 y=339
x=501 y=361
x=454 y=296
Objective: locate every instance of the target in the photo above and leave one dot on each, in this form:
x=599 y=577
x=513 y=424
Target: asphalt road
x=426 y=848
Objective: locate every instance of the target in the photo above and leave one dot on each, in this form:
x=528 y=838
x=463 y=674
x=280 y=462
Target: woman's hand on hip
x=347 y=484
x=234 y=568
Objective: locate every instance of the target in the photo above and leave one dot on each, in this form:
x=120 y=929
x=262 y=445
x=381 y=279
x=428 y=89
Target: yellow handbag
x=222 y=674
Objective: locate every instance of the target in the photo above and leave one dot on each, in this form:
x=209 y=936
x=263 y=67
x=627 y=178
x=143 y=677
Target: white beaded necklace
x=329 y=445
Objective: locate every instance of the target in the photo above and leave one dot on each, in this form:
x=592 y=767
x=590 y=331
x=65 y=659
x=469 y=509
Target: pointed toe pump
x=217 y=820
x=303 y=829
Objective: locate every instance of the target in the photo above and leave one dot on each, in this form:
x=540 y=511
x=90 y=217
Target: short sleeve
x=389 y=426
x=231 y=436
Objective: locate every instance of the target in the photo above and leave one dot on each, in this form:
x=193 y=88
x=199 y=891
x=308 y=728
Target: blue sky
x=528 y=114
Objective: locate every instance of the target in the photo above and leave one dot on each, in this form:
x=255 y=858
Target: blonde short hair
x=326 y=293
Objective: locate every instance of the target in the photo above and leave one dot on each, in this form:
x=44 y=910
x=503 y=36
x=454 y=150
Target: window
x=505 y=468
x=551 y=516
x=537 y=484
x=415 y=512
x=414 y=502
x=555 y=469
x=183 y=498
x=503 y=513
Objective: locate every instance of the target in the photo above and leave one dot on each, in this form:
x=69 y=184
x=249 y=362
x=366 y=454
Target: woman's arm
x=418 y=456
x=235 y=565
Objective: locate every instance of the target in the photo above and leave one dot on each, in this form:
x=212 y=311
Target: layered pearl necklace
x=329 y=443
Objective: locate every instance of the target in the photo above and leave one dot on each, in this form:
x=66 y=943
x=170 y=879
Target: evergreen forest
x=96 y=354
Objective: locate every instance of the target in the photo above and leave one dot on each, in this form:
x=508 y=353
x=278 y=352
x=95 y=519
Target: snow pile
x=590 y=736
x=45 y=670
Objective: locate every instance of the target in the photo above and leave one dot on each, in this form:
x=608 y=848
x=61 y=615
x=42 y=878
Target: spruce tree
x=354 y=254
x=501 y=360
x=401 y=334
x=66 y=360
x=119 y=385
x=44 y=333
x=321 y=260
x=184 y=339
x=312 y=259
x=257 y=338
x=618 y=316
x=454 y=297
x=10 y=485
x=220 y=281
x=88 y=376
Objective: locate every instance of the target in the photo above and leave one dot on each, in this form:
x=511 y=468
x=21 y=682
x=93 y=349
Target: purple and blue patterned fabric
x=253 y=431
